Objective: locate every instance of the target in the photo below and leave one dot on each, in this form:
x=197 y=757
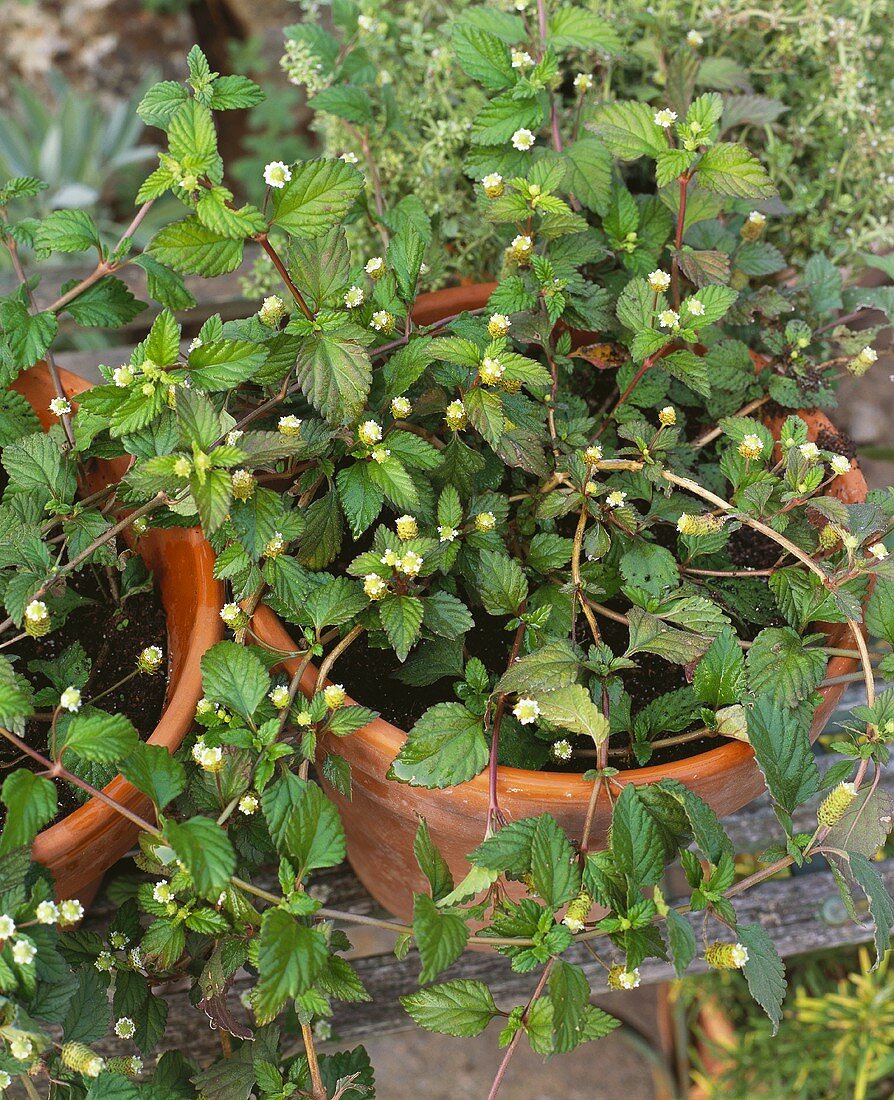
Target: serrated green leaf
x=446 y=746
x=783 y=752
x=440 y=936
x=205 y=851
x=234 y=676
x=317 y=197
x=462 y=1008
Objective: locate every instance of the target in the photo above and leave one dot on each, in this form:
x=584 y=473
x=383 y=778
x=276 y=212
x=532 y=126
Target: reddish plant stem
x=510 y=1050
x=264 y=241
x=493 y=808
x=678 y=239
x=104 y=267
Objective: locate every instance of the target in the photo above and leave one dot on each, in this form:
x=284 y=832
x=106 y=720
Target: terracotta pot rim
x=386 y=738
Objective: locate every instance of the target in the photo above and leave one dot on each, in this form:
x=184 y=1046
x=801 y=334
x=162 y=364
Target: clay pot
x=382 y=816
x=82 y=846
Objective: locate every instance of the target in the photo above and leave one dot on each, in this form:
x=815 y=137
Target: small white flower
x=810 y=451
x=47 y=912
x=757 y=218
x=375 y=267
x=104 y=962
x=659 y=280
x=275 y=546
x=401 y=408
x=490 y=371
x=354 y=297
x=752 y=446
x=493 y=185
x=349 y=157
x=70 y=911
x=526 y=710
x=410 y=563
x=279 y=696
x=455 y=416
x=150 y=659
x=628 y=979
x=665 y=118
x=561 y=750
x=20 y=1048
x=616 y=498
x=369 y=433
x=374 y=586
x=122 y=376
x=446 y=533
x=369 y=25
x=868 y=355
x=232 y=614
x=195 y=343
x=667 y=416
x=380 y=455
x=522 y=244
x=390 y=558
x=879 y=551
x=162 y=892
x=7 y=927
x=840 y=465
x=498 y=325
x=119 y=940
x=234 y=436
x=208 y=757
x=523 y=140
x=60 y=406
x=70 y=699
x=335 y=696
x=36 y=612
x=485 y=521
x=668 y=318
x=135 y=958
x=23 y=952
x=696 y=307
x=272 y=311
x=277 y=174
x=5 y=1080
x=125 y=1028
x=248 y=804
x=695 y=39
x=593 y=454
x=521 y=59
x=382 y=321
x=583 y=82
x=739 y=954
x=289 y=425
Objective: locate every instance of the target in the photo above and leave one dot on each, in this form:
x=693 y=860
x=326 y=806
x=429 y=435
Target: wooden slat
x=800 y=915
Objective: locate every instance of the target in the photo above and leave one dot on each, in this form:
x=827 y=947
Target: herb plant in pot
x=556 y=562
x=99 y=609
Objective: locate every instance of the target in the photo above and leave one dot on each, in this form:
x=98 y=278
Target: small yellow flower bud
x=401 y=408
x=272 y=311
x=577 y=912
x=407 y=528
x=485 y=521
x=621 y=978
x=726 y=956
x=491 y=371
x=455 y=416
x=126 y=1067
x=498 y=325
x=828 y=537
x=753 y=226
x=243 y=484
x=667 y=417
x=369 y=433
x=81 y=1059
x=861 y=363
x=335 y=696
x=521 y=249
x=834 y=805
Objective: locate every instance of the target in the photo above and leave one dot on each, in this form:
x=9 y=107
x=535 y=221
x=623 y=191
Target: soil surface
x=112 y=637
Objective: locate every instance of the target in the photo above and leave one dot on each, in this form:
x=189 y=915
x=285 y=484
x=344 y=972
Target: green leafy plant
x=584 y=501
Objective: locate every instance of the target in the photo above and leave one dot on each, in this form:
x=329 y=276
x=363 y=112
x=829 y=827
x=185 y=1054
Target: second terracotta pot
x=382 y=815
x=79 y=848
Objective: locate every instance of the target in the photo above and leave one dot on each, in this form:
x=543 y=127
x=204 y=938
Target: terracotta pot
x=382 y=816
x=82 y=846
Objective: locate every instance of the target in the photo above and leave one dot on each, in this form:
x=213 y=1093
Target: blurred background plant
x=91 y=153
x=840 y=1010
x=832 y=153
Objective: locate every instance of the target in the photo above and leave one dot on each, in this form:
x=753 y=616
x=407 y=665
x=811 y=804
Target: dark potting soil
x=112 y=636
x=749 y=549
x=368 y=674
x=840 y=442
